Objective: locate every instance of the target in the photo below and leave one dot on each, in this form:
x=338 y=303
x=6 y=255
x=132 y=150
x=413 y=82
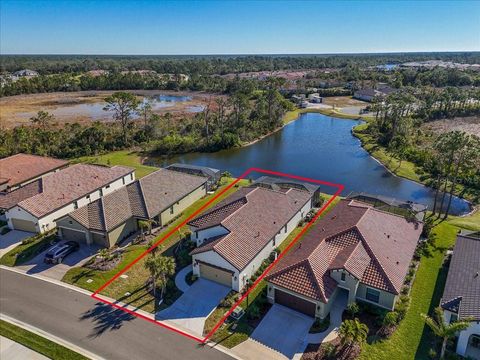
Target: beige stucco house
x=355 y=249
x=160 y=196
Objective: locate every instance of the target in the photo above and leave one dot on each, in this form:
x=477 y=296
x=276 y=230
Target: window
x=274 y=240
x=101 y=192
x=453 y=318
x=285 y=229
x=373 y=295
x=475 y=341
x=123 y=181
x=171 y=209
x=107 y=187
x=342 y=276
x=131 y=176
x=75 y=205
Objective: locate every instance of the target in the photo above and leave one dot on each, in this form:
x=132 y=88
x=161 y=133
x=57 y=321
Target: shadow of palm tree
x=105 y=318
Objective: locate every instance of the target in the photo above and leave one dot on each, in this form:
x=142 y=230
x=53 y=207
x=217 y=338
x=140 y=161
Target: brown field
x=470 y=125
x=84 y=106
x=343 y=101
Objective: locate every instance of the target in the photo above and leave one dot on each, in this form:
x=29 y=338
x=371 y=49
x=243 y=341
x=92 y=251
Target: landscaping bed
x=28 y=249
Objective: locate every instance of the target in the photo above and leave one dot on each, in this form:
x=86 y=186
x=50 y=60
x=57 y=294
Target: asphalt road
x=92 y=325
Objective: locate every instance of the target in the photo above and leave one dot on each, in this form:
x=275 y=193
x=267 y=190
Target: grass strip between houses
x=37 y=343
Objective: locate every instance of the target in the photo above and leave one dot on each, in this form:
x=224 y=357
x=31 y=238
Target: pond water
x=95 y=111
x=319 y=147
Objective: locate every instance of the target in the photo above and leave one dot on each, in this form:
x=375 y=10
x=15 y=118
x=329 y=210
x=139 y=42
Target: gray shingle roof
x=462 y=289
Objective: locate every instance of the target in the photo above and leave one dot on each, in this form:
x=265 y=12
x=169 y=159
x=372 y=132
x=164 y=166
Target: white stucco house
x=461 y=296
x=64 y=191
x=237 y=235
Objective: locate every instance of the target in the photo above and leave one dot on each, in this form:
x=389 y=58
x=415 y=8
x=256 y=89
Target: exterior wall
x=387 y=300
x=271 y=298
x=464 y=336
x=183 y=203
x=120 y=232
x=351 y=283
x=202 y=235
x=48 y=222
x=211 y=257
x=18 y=213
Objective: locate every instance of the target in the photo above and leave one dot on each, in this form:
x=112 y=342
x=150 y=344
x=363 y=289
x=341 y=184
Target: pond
x=319 y=147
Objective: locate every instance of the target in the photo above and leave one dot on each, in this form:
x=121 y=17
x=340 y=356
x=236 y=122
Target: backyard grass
x=412 y=339
x=225 y=335
x=137 y=275
x=37 y=343
x=123 y=157
x=27 y=250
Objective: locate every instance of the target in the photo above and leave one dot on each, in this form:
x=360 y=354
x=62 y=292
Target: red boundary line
x=339 y=187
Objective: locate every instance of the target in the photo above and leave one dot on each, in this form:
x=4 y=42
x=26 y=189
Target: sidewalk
x=14 y=351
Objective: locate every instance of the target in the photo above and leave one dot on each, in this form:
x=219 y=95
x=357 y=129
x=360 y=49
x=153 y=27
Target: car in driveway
x=58 y=252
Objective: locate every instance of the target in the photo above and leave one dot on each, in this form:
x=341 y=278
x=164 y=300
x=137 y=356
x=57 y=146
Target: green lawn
x=225 y=335
x=137 y=275
x=27 y=250
x=37 y=343
x=123 y=157
x=412 y=340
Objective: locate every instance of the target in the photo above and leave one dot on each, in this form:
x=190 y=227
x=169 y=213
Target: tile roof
x=374 y=246
x=462 y=289
x=111 y=210
x=70 y=184
x=19 y=168
x=253 y=216
x=12 y=198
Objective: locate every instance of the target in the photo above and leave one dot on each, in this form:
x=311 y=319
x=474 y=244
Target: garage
x=24 y=225
x=79 y=236
x=294 y=302
x=216 y=274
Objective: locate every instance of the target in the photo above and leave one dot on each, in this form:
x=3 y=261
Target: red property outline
x=95 y=295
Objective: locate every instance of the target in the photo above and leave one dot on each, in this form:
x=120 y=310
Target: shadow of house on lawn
x=105 y=318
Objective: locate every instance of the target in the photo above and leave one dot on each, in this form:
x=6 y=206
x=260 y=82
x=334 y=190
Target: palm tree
x=160 y=268
x=442 y=329
x=352 y=332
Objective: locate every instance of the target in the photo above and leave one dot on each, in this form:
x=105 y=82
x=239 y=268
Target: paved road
x=91 y=325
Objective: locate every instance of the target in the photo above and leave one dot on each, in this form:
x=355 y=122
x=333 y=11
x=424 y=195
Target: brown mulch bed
x=99 y=263
x=316 y=352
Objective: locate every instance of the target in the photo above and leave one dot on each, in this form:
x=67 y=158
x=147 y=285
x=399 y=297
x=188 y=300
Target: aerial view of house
x=213 y=175
x=159 y=197
x=234 y=237
x=461 y=296
x=356 y=250
x=62 y=192
x=20 y=176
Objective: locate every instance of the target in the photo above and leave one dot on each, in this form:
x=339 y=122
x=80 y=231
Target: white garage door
x=216 y=274
x=24 y=225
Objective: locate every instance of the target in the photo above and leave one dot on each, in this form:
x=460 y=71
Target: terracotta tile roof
x=130 y=201
x=19 y=168
x=70 y=184
x=462 y=289
x=253 y=216
x=12 y=198
x=374 y=246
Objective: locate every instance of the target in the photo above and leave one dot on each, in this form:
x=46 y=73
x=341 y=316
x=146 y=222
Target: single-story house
x=159 y=196
x=21 y=169
x=354 y=248
x=461 y=296
x=62 y=192
x=368 y=94
x=213 y=175
x=237 y=235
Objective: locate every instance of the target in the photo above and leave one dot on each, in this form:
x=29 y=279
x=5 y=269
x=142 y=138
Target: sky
x=237 y=27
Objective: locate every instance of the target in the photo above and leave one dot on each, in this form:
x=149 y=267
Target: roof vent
x=334 y=217
x=388 y=236
x=398 y=263
x=476 y=275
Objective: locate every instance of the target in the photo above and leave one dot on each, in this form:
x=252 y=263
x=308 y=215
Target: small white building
x=64 y=191
x=237 y=235
x=461 y=296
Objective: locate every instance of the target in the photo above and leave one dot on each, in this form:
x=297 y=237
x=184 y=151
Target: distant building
x=315 y=98
x=368 y=94
x=25 y=73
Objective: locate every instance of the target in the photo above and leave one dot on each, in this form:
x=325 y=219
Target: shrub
x=329 y=350
x=5 y=230
x=353 y=309
x=432 y=354
x=253 y=312
x=401 y=307
x=390 y=319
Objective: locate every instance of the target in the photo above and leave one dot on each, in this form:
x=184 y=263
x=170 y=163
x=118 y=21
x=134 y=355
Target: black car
x=58 y=252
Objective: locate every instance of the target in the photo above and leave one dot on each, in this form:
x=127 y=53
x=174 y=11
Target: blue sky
x=237 y=27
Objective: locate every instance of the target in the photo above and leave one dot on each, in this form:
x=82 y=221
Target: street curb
x=50 y=337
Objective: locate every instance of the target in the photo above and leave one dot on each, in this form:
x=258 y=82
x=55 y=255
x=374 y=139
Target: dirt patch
x=470 y=125
x=343 y=101
x=87 y=106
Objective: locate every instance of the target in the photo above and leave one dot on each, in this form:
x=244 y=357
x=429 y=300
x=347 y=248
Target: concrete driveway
x=57 y=271
x=194 y=306
x=11 y=240
x=282 y=329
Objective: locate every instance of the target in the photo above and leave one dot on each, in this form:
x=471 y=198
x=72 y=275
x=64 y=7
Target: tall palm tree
x=160 y=268
x=352 y=332
x=442 y=329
